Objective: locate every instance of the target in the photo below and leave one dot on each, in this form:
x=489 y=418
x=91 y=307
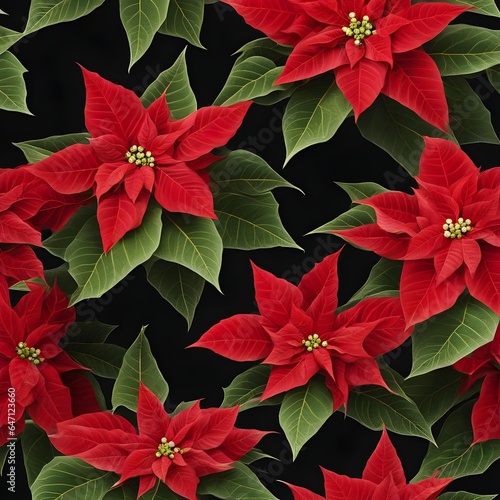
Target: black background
x=56 y=97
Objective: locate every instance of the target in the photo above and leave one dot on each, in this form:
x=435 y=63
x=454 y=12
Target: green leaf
x=454 y=456
x=462 y=49
x=175 y=82
x=264 y=47
x=398 y=131
x=192 y=242
x=139 y=365
x=238 y=483
x=69 y=478
x=464 y=495
x=8 y=38
x=45 y=13
x=38 y=149
x=354 y=217
x=375 y=407
x=485 y=7
x=178 y=285
x=247 y=387
x=470 y=119
x=384 y=277
x=250 y=78
x=253 y=455
x=361 y=190
x=104 y=360
x=451 y=335
x=250 y=222
x=246 y=173
x=303 y=411
x=141 y=20
x=12 y=86
x=313 y=114
x=435 y=392
x=58 y=242
x=184 y=20
x=124 y=492
x=37 y=450
x=494 y=77
x=160 y=492
x=61 y=276
x=97 y=272
x=88 y=332
x=4 y=451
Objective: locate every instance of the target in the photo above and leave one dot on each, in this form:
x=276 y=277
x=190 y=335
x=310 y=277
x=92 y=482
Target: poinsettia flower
x=135 y=151
x=28 y=205
x=36 y=375
x=447 y=232
x=373 y=47
x=176 y=450
x=299 y=333
x=383 y=477
x=483 y=363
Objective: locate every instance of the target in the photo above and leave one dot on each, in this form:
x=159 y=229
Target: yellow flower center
x=457 y=229
x=141 y=158
x=167 y=449
x=359 y=29
x=313 y=342
x=29 y=353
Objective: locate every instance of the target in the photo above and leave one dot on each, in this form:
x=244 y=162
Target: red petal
x=275 y=296
x=280 y=20
x=427 y=488
x=472 y=255
x=19 y=263
x=378 y=48
x=428 y=243
x=83 y=398
x=216 y=428
x=152 y=419
x=184 y=482
x=486 y=411
x=384 y=461
x=284 y=378
x=240 y=337
x=443 y=163
x=111 y=174
x=117 y=215
x=372 y=237
x=159 y=113
x=239 y=442
x=314 y=56
x=449 y=260
x=212 y=127
x=364 y=372
x=396 y=211
x=179 y=189
x=111 y=108
x=70 y=170
x=485 y=285
x=421 y=298
x=300 y=493
x=139 y=463
x=15 y=230
x=340 y=487
x=427 y=19
x=415 y=82
x=362 y=84
x=319 y=288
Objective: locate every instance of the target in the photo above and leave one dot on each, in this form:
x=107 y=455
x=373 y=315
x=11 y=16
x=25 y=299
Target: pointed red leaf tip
x=446 y=232
x=43 y=376
x=298 y=333
x=383 y=478
x=385 y=58
x=177 y=450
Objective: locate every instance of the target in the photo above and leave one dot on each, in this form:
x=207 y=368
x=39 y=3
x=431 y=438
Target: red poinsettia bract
x=135 y=151
x=383 y=478
x=447 y=232
x=373 y=46
x=484 y=363
x=36 y=375
x=176 y=450
x=27 y=206
x=299 y=333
